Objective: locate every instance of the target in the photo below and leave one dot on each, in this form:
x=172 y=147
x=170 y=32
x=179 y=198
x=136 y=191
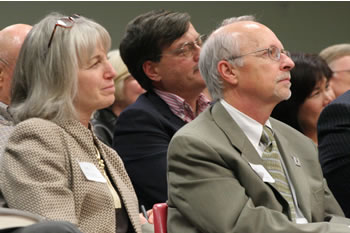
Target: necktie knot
x=266 y=136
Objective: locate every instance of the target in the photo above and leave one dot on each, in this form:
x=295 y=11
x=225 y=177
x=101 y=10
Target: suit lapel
x=241 y=142
x=128 y=198
x=295 y=172
x=164 y=109
x=235 y=134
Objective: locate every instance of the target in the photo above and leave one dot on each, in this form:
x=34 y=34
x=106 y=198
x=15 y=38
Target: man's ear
x=228 y=72
x=151 y=70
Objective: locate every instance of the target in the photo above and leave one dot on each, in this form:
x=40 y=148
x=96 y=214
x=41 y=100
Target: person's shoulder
x=339 y=106
x=342 y=99
x=35 y=123
x=36 y=126
x=286 y=130
x=202 y=125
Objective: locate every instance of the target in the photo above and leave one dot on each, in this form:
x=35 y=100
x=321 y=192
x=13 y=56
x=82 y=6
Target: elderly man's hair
x=335 y=52
x=237 y=19
x=220 y=46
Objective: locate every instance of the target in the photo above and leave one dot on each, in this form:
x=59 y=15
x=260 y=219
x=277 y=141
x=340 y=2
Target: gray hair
x=45 y=78
x=237 y=19
x=335 y=52
x=220 y=46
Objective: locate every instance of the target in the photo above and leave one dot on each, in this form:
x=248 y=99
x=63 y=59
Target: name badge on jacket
x=262 y=173
x=91 y=172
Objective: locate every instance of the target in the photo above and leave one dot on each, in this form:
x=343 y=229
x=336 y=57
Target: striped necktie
x=272 y=162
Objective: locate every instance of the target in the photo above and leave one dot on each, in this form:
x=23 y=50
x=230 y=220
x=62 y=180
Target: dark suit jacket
x=213 y=188
x=334 y=148
x=141 y=138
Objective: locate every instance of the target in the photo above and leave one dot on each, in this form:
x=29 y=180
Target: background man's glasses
x=4 y=61
x=188 y=48
x=273 y=52
x=339 y=71
x=65 y=22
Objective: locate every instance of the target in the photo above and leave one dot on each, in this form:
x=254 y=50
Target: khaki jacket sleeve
x=35 y=172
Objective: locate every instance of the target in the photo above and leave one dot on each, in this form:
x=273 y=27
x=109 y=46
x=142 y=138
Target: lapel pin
x=296 y=161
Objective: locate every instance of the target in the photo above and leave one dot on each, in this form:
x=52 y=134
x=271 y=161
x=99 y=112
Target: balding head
x=11 y=40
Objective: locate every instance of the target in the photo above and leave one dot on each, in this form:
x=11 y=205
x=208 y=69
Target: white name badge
x=91 y=172
x=262 y=173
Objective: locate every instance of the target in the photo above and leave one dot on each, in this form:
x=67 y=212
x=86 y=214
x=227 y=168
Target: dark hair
x=308 y=71
x=145 y=38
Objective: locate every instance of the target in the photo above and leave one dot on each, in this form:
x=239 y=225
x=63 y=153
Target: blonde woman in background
x=127 y=90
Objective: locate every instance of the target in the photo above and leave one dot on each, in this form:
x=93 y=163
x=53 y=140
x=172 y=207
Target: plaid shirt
x=6 y=126
x=182 y=109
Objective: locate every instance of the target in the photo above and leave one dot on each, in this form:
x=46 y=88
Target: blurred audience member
x=311 y=92
x=11 y=39
x=334 y=147
x=161 y=50
x=338 y=59
x=127 y=90
x=53 y=164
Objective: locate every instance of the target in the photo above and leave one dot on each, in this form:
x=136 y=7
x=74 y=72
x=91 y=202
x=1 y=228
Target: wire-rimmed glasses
x=188 y=48
x=65 y=22
x=273 y=52
x=340 y=71
x=4 y=61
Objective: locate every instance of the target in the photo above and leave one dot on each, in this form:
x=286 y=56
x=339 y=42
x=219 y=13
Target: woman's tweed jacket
x=40 y=173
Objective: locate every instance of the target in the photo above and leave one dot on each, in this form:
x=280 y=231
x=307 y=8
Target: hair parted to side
x=45 y=82
x=220 y=46
x=145 y=38
x=335 y=52
x=122 y=74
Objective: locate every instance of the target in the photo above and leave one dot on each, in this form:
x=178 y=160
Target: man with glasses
x=334 y=126
x=235 y=169
x=161 y=50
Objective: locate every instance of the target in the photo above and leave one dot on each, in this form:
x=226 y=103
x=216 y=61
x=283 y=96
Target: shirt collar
x=179 y=106
x=251 y=128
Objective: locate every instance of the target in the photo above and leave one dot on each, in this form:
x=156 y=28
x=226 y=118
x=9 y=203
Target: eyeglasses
x=188 y=48
x=4 y=61
x=65 y=22
x=338 y=71
x=273 y=52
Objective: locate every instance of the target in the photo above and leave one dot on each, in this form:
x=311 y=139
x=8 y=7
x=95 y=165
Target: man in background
x=161 y=50
x=334 y=127
x=338 y=58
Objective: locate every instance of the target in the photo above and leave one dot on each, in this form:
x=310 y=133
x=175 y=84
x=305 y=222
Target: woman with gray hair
x=127 y=89
x=53 y=164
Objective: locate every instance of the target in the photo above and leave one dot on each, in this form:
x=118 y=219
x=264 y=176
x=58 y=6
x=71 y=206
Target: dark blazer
x=103 y=122
x=213 y=188
x=141 y=138
x=334 y=148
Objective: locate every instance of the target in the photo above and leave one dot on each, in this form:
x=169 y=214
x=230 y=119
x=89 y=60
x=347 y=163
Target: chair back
x=160 y=214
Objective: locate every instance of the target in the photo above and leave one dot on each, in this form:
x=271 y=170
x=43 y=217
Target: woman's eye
x=327 y=86
x=95 y=63
x=316 y=93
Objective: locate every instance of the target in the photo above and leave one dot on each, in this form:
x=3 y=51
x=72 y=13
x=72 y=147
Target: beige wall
x=301 y=26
